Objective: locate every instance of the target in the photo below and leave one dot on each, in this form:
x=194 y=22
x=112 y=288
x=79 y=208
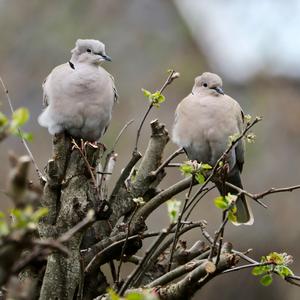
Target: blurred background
x=254 y=46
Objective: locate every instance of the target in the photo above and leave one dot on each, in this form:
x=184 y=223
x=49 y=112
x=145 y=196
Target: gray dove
x=204 y=122
x=79 y=95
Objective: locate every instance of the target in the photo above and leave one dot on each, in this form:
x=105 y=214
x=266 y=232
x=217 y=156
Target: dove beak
x=106 y=57
x=218 y=90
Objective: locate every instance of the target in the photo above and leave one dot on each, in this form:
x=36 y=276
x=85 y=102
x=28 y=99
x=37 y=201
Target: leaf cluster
x=273 y=263
x=19 y=118
x=198 y=170
x=155 y=99
x=22 y=219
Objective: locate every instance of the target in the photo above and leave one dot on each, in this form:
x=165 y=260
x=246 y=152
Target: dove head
x=208 y=83
x=89 y=51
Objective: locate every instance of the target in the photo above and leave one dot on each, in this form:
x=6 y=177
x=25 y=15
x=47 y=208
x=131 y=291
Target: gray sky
x=242 y=38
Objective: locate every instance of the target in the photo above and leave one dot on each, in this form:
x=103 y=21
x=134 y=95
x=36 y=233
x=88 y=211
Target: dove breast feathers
x=201 y=123
x=80 y=101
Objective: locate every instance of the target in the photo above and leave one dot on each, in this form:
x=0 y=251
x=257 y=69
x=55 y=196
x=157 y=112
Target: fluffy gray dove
x=79 y=95
x=204 y=121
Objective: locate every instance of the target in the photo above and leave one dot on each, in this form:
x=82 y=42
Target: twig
x=39 y=173
x=244 y=256
x=94 y=262
x=167 y=243
x=163 y=196
x=177 y=272
x=217 y=234
x=120 y=134
x=87 y=164
x=112 y=154
x=136 y=156
x=166 y=162
x=179 y=223
x=140 y=127
x=124 y=245
x=172 y=76
x=242 y=191
x=205 y=191
x=247 y=266
x=136 y=273
x=224 y=215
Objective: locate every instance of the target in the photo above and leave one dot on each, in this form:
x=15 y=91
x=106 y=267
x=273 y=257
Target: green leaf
x=20 y=117
x=4 y=229
x=186 y=169
x=112 y=294
x=146 y=93
x=232 y=217
x=157 y=98
x=283 y=271
x=173 y=207
x=259 y=270
x=200 y=178
x=206 y=166
x=3 y=119
x=40 y=213
x=220 y=202
x=25 y=135
x=266 y=280
x=135 y=296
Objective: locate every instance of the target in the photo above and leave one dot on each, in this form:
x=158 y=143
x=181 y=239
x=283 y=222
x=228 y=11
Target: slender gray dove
x=79 y=95
x=204 y=122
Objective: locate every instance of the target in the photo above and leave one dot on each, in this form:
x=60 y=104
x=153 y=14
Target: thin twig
x=172 y=76
x=136 y=156
x=193 y=205
x=88 y=166
x=179 y=223
x=39 y=173
x=219 y=231
x=174 y=274
x=261 y=195
x=247 y=267
x=140 y=127
x=166 y=162
x=167 y=243
x=95 y=260
x=124 y=246
x=242 y=191
x=120 y=134
x=135 y=274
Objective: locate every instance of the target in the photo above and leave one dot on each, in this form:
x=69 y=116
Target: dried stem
x=39 y=173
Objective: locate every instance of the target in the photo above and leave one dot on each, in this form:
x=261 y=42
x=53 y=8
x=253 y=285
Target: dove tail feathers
x=45 y=120
x=244 y=213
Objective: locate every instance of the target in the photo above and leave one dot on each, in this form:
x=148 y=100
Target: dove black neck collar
x=71 y=65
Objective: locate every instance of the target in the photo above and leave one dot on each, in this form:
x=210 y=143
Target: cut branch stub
x=151 y=160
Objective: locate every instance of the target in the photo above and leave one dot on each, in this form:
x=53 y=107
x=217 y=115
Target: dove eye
x=205 y=84
x=88 y=50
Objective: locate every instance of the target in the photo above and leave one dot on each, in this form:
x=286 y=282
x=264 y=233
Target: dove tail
x=244 y=214
x=45 y=119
